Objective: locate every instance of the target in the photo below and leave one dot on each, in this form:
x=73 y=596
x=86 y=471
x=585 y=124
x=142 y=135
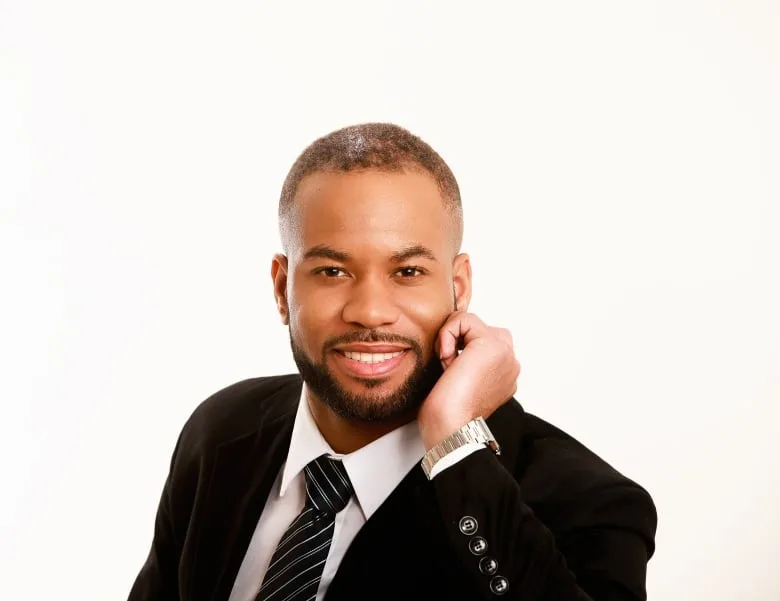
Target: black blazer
x=560 y=522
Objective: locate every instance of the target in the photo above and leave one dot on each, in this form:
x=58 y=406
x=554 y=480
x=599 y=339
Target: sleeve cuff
x=453 y=457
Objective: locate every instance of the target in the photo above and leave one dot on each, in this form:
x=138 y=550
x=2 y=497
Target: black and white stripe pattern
x=327 y=485
x=297 y=563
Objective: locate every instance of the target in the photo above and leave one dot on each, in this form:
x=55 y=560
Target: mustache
x=372 y=336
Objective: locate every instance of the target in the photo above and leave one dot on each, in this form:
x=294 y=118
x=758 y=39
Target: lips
x=371 y=348
x=370 y=361
x=371 y=357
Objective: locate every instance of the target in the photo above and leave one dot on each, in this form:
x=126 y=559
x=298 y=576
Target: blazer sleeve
x=599 y=551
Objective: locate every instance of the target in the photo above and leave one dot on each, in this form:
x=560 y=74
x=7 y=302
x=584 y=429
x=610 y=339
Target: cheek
x=428 y=316
x=313 y=318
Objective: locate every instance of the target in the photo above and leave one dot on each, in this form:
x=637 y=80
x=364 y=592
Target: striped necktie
x=297 y=563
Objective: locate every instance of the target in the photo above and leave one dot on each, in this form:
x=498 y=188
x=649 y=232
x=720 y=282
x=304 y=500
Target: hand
x=475 y=382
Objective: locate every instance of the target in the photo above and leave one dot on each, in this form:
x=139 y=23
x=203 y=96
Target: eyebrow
x=418 y=250
x=323 y=251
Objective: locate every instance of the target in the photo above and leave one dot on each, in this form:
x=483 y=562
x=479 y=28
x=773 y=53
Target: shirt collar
x=374 y=470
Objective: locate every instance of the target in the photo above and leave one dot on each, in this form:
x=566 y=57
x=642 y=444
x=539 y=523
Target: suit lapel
x=242 y=474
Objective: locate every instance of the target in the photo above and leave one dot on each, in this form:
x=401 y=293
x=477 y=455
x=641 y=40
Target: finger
x=448 y=336
x=442 y=336
x=459 y=330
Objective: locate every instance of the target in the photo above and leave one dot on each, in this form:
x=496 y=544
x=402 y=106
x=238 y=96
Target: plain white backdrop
x=619 y=164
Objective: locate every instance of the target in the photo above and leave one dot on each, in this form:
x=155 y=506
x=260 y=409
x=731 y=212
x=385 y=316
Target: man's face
x=370 y=279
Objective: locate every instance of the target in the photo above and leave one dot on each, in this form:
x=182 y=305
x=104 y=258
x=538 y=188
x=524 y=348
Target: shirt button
x=499 y=585
x=488 y=565
x=477 y=545
x=468 y=525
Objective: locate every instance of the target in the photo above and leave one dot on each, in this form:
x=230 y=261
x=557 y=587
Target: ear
x=461 y=281
x=279 y=277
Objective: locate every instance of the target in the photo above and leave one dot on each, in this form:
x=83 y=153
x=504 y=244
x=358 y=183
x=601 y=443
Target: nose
x=370 y=304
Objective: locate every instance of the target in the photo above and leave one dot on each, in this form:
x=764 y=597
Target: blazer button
x=488 y=566
x=499 y=585
x=468 y=525
x=478 y=545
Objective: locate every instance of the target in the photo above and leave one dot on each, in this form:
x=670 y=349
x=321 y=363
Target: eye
x=410 y=271
x=331 y=272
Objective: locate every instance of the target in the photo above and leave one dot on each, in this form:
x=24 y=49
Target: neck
x=345 y=436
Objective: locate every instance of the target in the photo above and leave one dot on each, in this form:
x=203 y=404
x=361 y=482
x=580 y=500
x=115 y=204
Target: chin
x=374 y=388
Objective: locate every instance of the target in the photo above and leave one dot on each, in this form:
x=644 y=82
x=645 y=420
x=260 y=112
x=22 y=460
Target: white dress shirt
x=374 y=471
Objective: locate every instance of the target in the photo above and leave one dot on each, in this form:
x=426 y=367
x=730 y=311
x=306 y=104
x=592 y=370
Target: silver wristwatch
x=474 y=431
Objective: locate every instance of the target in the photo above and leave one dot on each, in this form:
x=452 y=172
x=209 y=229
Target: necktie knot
x=327 y=485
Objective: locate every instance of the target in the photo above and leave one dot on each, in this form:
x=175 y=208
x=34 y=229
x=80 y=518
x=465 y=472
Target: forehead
x=371 y=210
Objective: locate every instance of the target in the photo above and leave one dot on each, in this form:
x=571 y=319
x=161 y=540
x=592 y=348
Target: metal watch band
x=475 y=431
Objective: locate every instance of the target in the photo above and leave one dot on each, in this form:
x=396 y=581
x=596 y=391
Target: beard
x=368 y=407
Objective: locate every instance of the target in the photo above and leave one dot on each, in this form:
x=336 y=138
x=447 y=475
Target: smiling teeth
x=371 y=357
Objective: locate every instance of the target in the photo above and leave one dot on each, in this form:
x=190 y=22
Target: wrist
x=435 y=430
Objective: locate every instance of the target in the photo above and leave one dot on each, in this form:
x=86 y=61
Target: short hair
x=381 y=146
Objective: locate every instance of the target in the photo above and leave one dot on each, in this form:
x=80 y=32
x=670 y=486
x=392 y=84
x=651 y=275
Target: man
x=397 y=465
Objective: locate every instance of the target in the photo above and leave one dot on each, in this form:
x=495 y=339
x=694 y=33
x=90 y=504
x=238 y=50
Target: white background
x=619 y=168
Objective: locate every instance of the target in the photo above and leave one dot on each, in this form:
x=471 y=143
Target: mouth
x=370 y=361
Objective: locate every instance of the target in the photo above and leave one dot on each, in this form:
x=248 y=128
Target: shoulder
x=565 y=482
x=550 y=449
x=239 y=408
x=537 y=447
